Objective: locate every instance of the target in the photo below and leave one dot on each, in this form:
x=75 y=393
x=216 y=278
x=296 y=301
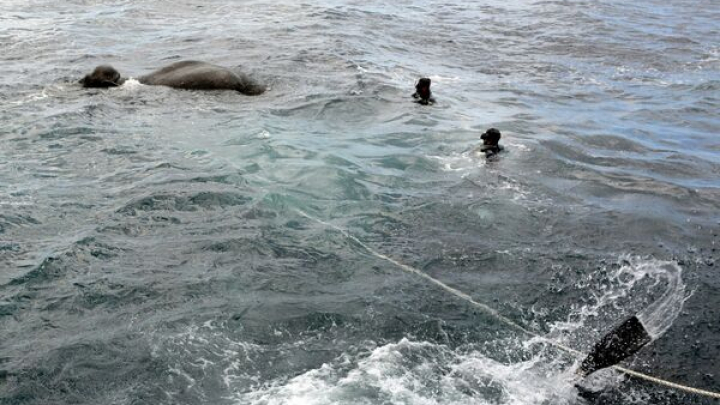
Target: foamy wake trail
x=421 y=373
x=424 y=373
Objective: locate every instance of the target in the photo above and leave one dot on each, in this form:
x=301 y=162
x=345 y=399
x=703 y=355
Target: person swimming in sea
x=491 y=145
x=422 y=94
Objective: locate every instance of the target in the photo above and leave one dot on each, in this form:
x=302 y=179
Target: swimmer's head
x=102 y=76
x=491 y=137
x=422 y=88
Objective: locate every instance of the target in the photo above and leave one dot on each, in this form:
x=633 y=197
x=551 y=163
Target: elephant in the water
x=191 y=75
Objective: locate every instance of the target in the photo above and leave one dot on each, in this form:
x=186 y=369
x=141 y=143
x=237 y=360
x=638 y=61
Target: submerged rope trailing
x=507 y=321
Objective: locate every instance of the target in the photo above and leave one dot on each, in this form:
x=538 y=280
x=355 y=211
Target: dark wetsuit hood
x=422 y=91
x=491 y=142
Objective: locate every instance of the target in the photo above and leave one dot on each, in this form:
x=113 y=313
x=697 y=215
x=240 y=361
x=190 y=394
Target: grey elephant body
x=194 y=75
x=190 y=75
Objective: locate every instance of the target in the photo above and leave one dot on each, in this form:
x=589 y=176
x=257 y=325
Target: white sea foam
x=459 y=162
x=409 y=372
x=515 y=371
x=471 y=159
x=440 y=79
x=131 y=84
x=46 y=92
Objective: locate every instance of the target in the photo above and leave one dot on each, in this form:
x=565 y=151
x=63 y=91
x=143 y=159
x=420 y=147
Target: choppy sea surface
x=154 y=247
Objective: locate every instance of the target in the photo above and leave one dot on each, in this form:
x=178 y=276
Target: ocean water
x=161 y=246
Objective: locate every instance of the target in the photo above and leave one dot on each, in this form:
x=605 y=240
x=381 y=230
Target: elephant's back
x=194 y=75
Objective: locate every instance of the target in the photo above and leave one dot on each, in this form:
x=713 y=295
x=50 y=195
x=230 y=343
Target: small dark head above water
x=422 y=92
x=491 y=142
x=102 y=76
x=190 y=75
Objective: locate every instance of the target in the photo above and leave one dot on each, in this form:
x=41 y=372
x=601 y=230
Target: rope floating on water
x=507 y=321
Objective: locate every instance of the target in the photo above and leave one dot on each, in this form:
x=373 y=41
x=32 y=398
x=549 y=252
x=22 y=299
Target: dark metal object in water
x=624 y=341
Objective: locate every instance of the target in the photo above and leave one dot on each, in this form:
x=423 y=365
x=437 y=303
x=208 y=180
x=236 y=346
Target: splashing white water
x=422 y=373
x=617 y=292
x=507 y=371
x=660 y=315
x=434 y=374
x=131 y=84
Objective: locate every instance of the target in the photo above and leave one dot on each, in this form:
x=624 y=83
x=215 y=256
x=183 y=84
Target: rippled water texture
x=152 y=251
